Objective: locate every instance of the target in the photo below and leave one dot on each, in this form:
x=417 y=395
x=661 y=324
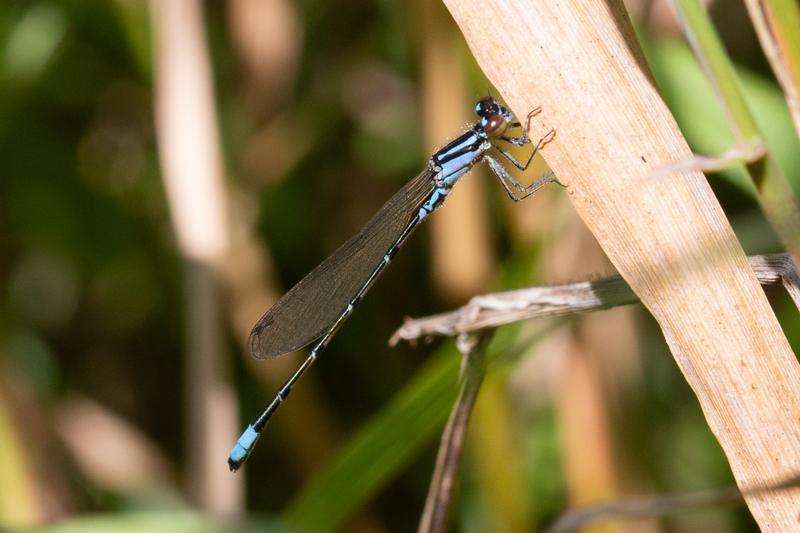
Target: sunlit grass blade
x=18 y=505
x=694 y=105
x=382 y=447
x=774 y=192
x=777 y=23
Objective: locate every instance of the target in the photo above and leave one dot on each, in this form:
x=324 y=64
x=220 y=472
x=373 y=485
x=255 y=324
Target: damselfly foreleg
x=523 y=139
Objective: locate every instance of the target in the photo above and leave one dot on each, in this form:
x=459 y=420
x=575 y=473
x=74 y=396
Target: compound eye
x=494 y=125
x=484 y=106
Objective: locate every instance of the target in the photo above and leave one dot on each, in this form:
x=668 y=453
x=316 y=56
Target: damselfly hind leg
x=508 y=181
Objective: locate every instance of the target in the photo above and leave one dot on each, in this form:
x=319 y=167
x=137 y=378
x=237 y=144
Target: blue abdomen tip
x=242 y=448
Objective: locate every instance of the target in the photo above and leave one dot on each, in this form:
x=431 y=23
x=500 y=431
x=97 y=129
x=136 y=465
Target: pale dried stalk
x=461 y=259
x=776 y=23
x=668 y=238
x=192 y=172
x=773 y=190
x=267 y=40
x=494 y=310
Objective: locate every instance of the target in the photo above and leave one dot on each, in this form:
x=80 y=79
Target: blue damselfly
x=315 y=308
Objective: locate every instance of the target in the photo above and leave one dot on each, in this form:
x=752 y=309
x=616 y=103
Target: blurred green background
x=321 y=110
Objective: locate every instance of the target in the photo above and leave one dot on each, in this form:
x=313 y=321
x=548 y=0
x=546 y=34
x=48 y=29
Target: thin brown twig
x=493 y=310
x=653 y=506
x=448 y=458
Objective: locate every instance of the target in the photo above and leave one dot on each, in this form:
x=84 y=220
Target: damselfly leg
x=522 y=192
x=506 y=179
x=523 y=139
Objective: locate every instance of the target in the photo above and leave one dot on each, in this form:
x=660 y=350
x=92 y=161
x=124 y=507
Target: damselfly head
x=495 y=118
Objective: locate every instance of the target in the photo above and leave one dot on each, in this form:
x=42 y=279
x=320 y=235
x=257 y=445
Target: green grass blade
x=382 y=447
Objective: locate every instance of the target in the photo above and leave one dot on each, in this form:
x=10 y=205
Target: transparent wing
x=306 y=312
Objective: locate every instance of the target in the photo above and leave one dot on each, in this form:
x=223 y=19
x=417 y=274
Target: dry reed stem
x=451 y=446
x=669 y=239
x=191 y=168
x=492 y=310
x=461 y=258
x=778 y=33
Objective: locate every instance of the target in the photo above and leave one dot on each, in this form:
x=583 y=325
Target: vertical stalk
x=669 y=238
x=192 y=171
x=448 y=460
x=773 y=190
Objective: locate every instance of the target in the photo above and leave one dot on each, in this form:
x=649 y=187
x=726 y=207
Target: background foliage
x=92 y=340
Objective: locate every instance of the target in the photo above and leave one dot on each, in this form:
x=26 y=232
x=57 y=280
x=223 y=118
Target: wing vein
x=312 y=306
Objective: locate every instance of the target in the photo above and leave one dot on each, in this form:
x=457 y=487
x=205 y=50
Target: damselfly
x=315 y=308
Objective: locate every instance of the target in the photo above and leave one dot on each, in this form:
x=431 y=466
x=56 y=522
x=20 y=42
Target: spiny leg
x=502 y=176
x=506 y=178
